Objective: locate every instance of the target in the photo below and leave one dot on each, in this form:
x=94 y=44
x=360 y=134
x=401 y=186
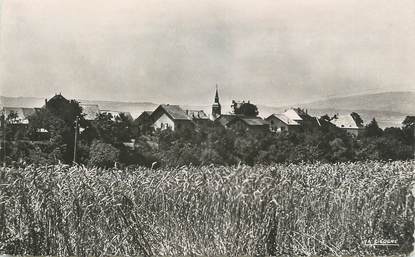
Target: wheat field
x=307 y=209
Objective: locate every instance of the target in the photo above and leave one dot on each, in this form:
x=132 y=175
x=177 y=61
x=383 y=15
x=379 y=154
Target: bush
x=103 y=155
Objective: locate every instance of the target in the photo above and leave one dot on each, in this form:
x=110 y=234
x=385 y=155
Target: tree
x=246 y=109
x=58 y=119
x=356 y=117
x=103 y=155
x=409 y=121
x=10 y=126
x=114 y=130
x=325 y=117
x=372 y=129
x=246 y=148
x=383 y=148
x=338 y=150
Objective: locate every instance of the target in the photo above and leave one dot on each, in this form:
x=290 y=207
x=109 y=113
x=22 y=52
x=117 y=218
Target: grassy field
x=309 y=209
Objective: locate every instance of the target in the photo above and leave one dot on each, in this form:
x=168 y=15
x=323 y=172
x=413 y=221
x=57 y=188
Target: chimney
x=46 y=101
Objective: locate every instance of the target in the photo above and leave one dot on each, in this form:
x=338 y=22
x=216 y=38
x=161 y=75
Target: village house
x=116 y=114
x=90 y=111
x=144 y=117
x=224 y=119
x=199 y=117
x=348 y=123
x=244 y=123
x=170 y=116
x=294 y=114
x=280 y=122
x=21 y=114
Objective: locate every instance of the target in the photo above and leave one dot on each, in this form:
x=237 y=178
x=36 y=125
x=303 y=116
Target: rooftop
x=175 y=112
x=90 y=110
x=197 y=114
x=282 y=117
x=292 y=115
x=22 y=113
x=345 y=121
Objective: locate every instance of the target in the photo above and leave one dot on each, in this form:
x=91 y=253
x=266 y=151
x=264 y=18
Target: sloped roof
x=292 y=115
x=90 y=110
x=197 y=114
x=283 y=118
x=144 y=116
x=224 y=119
x=345 y=121
x=117 y=113
x=22 y=113
x=251 y=121
x=174 y=111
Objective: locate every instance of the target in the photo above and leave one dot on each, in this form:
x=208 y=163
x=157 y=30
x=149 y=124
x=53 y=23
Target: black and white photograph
x=207 y=128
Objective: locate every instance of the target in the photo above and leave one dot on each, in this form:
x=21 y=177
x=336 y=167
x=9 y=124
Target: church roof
x=217 y=95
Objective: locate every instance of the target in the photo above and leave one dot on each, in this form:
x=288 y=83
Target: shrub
x=103 y=154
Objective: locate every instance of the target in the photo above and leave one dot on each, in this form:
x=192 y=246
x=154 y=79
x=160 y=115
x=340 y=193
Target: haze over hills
x=389 y=108
x=399 y=102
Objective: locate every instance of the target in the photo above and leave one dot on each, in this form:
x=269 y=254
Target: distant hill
x=28 y=102
x=389 y=108
x=398 y=102
x=134 y=108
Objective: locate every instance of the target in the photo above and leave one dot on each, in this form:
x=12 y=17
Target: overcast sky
x=271 y=52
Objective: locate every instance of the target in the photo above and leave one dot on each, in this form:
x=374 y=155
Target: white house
x=170 y=116
x=347 y=123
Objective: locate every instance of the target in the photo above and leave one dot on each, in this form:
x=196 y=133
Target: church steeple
x=216 y=108
x=216 y=95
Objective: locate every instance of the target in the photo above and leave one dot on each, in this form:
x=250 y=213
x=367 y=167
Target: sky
x=272 y=52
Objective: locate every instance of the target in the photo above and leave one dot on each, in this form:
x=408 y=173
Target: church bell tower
x=216 y=108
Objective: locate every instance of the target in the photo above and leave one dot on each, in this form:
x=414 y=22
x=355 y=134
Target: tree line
x=49 y=138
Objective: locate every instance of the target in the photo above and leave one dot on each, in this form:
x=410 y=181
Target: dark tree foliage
x=109 y=140
x=373 y=130
x=103 y=155
x=11 y=128
x=409 y=122
x=246 y=109
x=409 y=129
x=56 y=122
x=356 y=117
x=67 y=110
